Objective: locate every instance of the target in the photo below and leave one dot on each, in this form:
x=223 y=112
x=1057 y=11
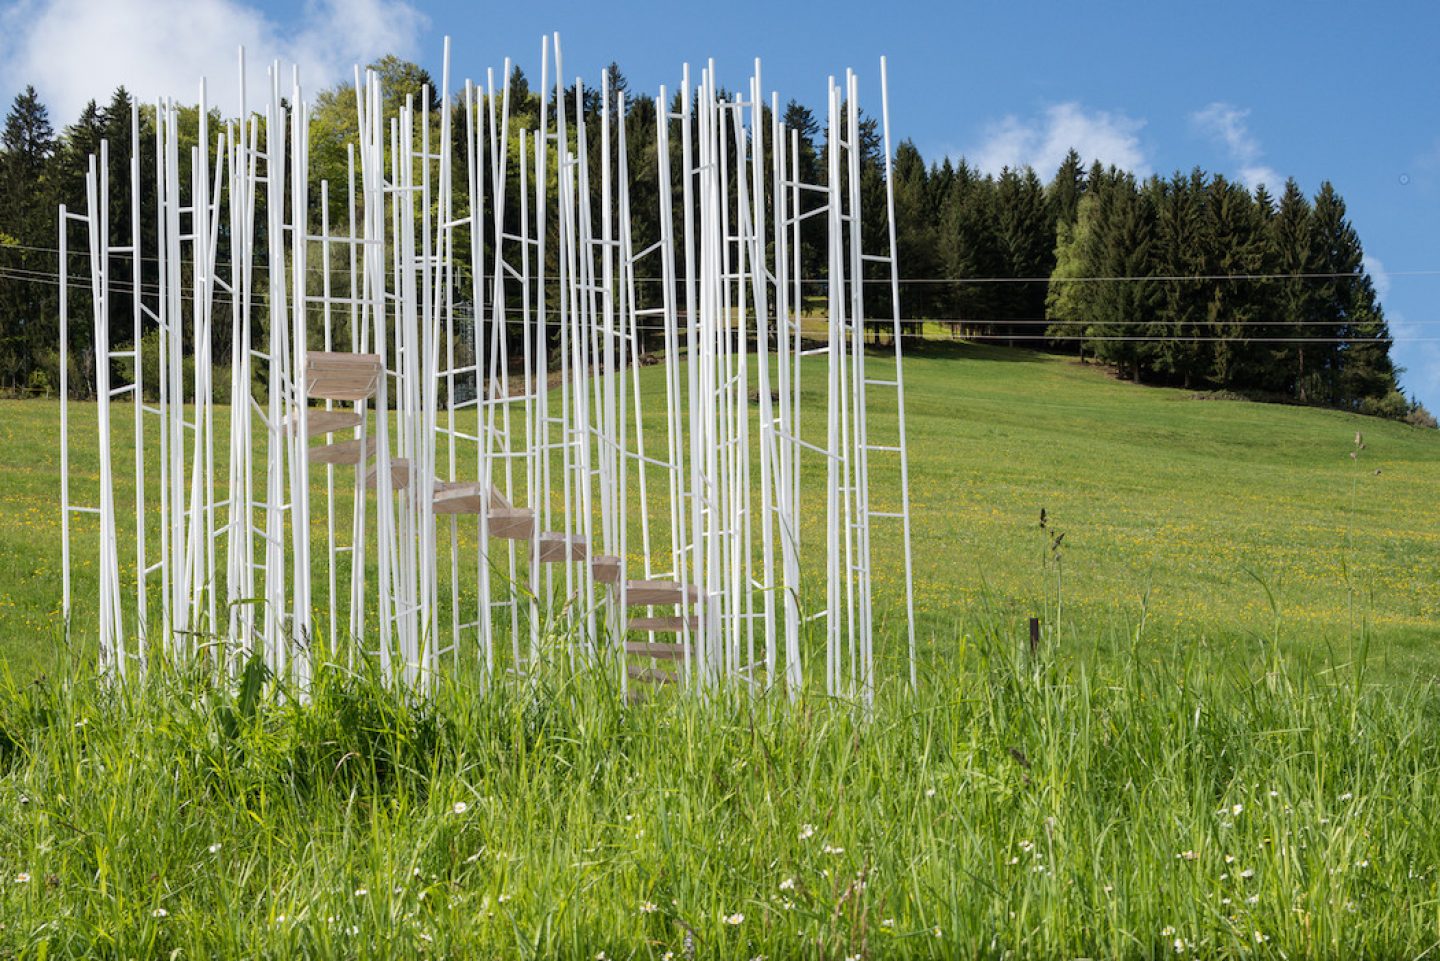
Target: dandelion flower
x=734 y=919
x=460 y=807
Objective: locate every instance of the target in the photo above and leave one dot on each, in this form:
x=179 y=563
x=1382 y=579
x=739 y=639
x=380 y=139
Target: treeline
x=1191 y=280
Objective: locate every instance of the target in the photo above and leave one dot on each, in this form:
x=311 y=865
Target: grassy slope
x=1127 y=805
x=1193 y=503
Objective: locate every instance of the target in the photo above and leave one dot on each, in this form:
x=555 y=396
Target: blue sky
x=1345 y=92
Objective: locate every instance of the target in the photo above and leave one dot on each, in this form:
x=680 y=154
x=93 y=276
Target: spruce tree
x=1291 y=367
x=27 y=235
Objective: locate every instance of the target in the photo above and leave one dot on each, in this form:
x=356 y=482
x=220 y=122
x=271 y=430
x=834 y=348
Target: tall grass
x=1022 y=808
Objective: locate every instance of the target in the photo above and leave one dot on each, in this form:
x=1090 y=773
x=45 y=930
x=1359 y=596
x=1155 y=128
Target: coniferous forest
x=1191 y=280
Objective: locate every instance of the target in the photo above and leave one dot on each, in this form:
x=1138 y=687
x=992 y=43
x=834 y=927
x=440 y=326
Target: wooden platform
x=664 y=652
x=644 y=593
x=649 y=675
x=466 y=497
x=512 y=524
x=606 y=568
x=672 y=624
x=343 y=452
x=552 y=547
x=319 y=422
x=331 y=375
x=399 y=474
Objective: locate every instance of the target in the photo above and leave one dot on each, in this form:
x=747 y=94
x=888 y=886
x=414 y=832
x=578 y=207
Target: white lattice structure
x=462 y=365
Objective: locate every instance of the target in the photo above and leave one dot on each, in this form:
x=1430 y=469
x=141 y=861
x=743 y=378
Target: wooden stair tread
x=606 y=568
x=671 y=624
x=649 y=675
x=335 y=375
x=552 y=547
x=512 y=524
x=324 y=421
x=660 y=651
x=645 y=593
x=343 y=451
x=399 y=474
x=465 y=497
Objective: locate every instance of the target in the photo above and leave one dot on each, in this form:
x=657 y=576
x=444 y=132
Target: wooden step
x=606 y=568
x=463 y=497
x=667 y=652
x=319 y=422
x=643 y=593
x=673 y=624
x=332 y=375
x=553 y=548
x=649 y=675
x=512 y=524
x=343 y=452
x=399 y=474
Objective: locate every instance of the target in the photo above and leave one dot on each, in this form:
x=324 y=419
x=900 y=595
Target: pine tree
x=1291 y=367
x=27 y=235
x=1357 y=366
x=969 y=249
x=1125 y=309
x=1063 y=194
x=1233 y=308
x=1025 y=238
x=915 y=231
x=1182 y=253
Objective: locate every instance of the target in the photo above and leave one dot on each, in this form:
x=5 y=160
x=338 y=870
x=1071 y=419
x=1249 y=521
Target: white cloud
x=75 y=50
x=1042 y=142
x=1226 y=124
x=1376 y=269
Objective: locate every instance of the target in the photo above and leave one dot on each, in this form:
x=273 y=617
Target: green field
x=1225 y=746
x=1183 y=518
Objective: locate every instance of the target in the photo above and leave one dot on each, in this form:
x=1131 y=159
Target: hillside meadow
x=1224 y=746
x=1188 y=523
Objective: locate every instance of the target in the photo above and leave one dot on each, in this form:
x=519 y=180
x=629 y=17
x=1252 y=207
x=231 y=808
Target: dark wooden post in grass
x=1034 y=635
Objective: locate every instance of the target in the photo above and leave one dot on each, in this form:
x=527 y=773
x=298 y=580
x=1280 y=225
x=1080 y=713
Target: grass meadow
x=1225 y=745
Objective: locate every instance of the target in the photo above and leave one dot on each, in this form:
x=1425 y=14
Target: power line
x=260 y=301
x=1134 y=278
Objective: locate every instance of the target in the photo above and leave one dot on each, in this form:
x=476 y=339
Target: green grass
x=1224 y=748
x=1183 y=519
x=1017 y=809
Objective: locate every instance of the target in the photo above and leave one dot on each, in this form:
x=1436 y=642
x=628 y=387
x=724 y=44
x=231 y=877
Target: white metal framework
x=442 y=441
